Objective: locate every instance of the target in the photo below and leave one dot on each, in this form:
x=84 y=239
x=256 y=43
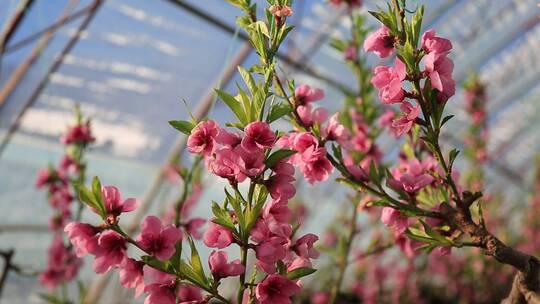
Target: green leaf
x=300 y=273
x=432 y=233
x=275 y=157
x=191 y=275
x=253 y=214
x=452 y=157
x=246 y=104
x=277 y=111
x=248 y=79
x=96 y=189
x=87 y=197
x=196 y=261
x=177 y=257
x=373 y=174
x=446 y=119
x=157 y=264
x=234 y=105
x=223 y=217
x=416 y=24
x=237 y=207
x=182 y=126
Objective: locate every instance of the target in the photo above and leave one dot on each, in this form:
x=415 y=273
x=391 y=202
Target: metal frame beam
x=52 y=69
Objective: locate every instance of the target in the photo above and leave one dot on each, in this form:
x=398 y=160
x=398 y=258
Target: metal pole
x=53 y=27
x=204 y=105
x=14 y=22
x=54 y=67
x=20 y=71
x=12 y=25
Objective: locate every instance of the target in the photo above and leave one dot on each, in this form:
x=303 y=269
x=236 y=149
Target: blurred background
x=132 y=65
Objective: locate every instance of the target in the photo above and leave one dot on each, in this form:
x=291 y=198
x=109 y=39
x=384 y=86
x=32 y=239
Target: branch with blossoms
x=63 y=263
x=431 y=89
x=254 y=215
x=423 y=204
x=425 y=190
x=356 y=129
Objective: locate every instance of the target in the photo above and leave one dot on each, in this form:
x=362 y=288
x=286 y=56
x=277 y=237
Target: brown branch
x=527 y=265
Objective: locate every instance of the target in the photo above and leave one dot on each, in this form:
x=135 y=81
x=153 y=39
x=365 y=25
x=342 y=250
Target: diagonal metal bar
x=13 y=23
x=17 y=75
x=53 y=27
x=53 y=68
x=204 y=105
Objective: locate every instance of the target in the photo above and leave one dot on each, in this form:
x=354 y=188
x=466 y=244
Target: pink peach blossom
x=439 y=69
x=393 y=218
x=228 y=164
x=221 y=268
x=78 y=134
x=111 y=251
x=305 y=94
x=404 y=124
x=62 y=265
x=258 y=136
x=131 y=275
x=160 y=286
x=315 y=166
x=304 y=246
x=202 y=137
x=335 y=130
x=217 y=236
x=310 y=116
x=253 y=162
x=435 y=44
x=302 y=141
x=281 y=11
x=158 y=240
x=271 y=250
x=281 y=187
x=299 y=262
x=278 y=210
x=388 y=81
x=276 y=289
x=113 y=201
x=380 y=42
x=83 y=237
x=189 y=294
x=193 y=227
x=227 y=138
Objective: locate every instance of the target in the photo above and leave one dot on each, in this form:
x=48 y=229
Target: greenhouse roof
x=136 y=62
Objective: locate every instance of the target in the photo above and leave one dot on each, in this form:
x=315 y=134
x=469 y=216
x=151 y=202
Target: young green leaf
x=300 y=273
x=182 y=126
x=234 y=105
x=277 y=111
x=196 y=261
x=96 y=189
x=452 y=157
x=275 y=157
